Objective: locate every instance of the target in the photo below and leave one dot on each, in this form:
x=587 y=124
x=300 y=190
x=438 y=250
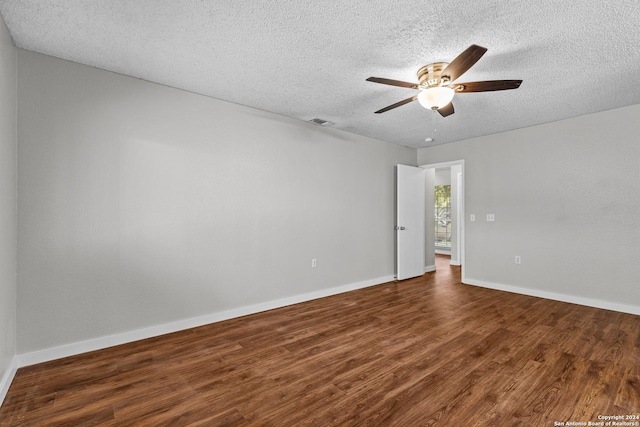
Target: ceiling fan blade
x=463 y=62
x=486 y=86
x=393 y=82
x=447 y=110
x=398 y=104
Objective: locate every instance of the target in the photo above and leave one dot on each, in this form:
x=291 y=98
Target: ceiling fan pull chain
x=433 y=122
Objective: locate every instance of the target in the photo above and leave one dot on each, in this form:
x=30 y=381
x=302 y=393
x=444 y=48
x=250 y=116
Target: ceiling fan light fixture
x=435 y=98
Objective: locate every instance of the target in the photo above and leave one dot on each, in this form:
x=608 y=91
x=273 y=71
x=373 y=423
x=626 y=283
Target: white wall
x=7 y=209
x=566 y=197
x=141 y=204
x=443 y=176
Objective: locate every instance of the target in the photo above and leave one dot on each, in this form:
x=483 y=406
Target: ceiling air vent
x=321 y=122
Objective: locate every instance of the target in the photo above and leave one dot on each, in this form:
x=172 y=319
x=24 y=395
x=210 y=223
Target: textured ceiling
x=308 y=59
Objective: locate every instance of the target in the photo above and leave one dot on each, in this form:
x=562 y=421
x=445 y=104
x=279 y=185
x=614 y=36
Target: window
x=442 y=216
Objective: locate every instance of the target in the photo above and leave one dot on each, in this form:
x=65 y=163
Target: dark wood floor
x=423 y=352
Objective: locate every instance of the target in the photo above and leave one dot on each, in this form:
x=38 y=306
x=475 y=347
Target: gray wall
x=141 y=204
x=566 y=197
x=7 y=203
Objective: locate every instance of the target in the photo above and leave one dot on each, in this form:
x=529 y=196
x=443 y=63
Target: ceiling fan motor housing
x=431 y=75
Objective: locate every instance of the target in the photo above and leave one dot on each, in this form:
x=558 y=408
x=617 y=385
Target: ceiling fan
x=436 y=83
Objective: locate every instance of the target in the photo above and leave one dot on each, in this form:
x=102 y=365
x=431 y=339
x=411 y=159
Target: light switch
x=472 y=217
x=491 y=217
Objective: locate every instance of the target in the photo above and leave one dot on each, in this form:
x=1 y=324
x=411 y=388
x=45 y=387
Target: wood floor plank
x=427 y=351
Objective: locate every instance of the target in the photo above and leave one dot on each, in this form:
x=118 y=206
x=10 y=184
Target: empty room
x=284 y=213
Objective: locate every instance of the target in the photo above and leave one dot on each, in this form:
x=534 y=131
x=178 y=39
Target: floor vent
x=321 y=122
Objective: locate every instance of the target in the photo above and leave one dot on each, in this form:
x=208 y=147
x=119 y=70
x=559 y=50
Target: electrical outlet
x=518 y=259
x=472 y=217
x=314 y=263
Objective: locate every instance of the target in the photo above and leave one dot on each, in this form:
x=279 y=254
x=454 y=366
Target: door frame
x=461 y=209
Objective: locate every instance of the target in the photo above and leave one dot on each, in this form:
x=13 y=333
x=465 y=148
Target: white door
x=410 y=216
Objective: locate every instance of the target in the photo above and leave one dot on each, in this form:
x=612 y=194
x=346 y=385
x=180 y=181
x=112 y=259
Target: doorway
x=445 y=225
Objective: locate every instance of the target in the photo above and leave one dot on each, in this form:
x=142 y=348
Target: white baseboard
x=45 y=355
x=443 y=251
x=589 y=302
x=429 y=268
x=7 y=378
x=454 y=262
